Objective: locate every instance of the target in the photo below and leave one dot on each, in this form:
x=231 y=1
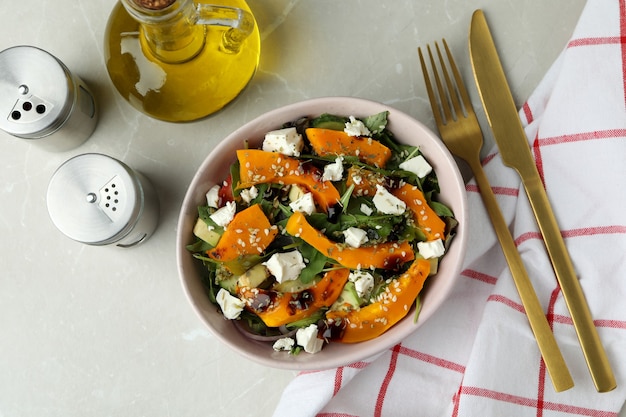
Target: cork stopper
x=154 y=4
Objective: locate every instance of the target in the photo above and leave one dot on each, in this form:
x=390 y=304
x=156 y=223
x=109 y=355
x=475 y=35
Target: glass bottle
x=183 y=61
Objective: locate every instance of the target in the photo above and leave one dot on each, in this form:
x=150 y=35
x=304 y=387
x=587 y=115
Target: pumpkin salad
x=327 y=233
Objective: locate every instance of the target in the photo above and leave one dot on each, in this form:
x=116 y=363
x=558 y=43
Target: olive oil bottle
x=178 y=61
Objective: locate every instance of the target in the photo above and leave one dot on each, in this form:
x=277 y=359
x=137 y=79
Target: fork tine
x=443 y=96
x=452 y=91
x=467 y=104
x=434 y=103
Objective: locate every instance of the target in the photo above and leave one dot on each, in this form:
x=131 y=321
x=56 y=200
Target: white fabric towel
x=477 y=356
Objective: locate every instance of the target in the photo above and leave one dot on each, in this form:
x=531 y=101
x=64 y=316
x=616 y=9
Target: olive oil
x=193 y=78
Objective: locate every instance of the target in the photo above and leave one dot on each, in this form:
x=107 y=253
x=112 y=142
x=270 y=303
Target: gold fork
x=462 y=135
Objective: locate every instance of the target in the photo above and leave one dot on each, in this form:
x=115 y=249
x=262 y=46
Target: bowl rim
x=355 y=352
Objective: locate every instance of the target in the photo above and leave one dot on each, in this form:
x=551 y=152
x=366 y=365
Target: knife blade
x=514 y=149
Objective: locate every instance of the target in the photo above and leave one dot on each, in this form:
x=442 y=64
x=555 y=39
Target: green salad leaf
x=377 y=122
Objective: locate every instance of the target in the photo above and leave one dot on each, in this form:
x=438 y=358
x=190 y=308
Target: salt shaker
x=42 y=101
x=98 y=200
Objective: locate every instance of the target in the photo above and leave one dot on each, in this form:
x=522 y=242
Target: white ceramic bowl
x=215 y=168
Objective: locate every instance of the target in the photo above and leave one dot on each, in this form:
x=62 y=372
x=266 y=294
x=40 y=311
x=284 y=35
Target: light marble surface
x=103 y=331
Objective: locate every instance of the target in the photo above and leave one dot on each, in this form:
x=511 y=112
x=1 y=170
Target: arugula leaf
x=256 y=325
x=305 y=322
x=377 y=122
x=345 y=198
x=317 y=262
x=441 y=209
x=329 y=121
x=207 y=280
x=401 y=154
x=199 y=246
x=236 y=179
x=261 y=190
x=386 y=138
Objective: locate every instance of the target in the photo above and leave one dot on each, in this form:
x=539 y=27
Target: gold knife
x=513 y=145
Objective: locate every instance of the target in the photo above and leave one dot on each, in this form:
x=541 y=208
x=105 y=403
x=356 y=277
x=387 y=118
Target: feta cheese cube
x=285 y=266
x=363 y=282
x=231 y=306
x=388 y=203
x=286 y=343
x=365 y=209
x=304 y=204
x=355 y=237
x=334 y=171
x=225 y=215
x=286 y=141
x=213 y=197
x=307 y=338
x=356 y=128
x=432 y=249
x=249 y=194
x=418 y=165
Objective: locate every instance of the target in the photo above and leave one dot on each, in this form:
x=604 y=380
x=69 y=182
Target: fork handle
x=552 y=356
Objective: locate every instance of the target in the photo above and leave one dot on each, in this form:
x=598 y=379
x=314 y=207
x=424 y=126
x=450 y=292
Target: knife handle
x=552 y=356
x=573 y=295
